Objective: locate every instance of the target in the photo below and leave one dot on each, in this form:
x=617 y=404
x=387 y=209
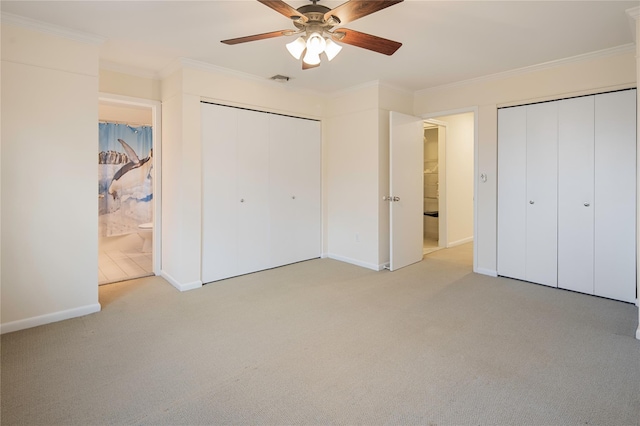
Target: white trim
x=634 y=12
x=349 y=90
x=464 y=241
x=49 y=318
x=181 y=63
x=360 y=263
x=625 y=48
x=374 y=83
x=484 y=271
x=44 y=27
x=156 y=124
x=638 y=332
x=182 y=287
x=129 y=70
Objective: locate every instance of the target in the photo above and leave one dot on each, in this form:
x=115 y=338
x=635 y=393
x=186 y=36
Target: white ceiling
x=443 y=41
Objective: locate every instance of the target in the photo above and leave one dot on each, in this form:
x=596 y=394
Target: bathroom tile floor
x=121 y=258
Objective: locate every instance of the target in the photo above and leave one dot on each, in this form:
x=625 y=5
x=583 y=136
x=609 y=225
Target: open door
x=406 y=189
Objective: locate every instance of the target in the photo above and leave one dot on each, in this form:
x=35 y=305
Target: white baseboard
x=356 y=262
x=484 y=271
x=460 y=242
x=180 y=286
x=49 y=318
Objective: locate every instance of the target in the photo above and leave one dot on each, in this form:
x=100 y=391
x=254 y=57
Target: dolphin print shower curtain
x=125 y=161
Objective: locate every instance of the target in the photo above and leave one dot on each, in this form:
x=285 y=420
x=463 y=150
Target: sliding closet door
x=576 y=194
x=542 y=194
x=615 y=192
x=253 y=191
x=220 y=198
x=512 y=201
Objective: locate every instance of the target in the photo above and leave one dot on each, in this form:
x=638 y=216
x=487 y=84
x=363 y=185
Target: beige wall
x=459 y=177
x=357 y=175
x=590 y=74
x=49 y=199
x=128 y=85
x=125 y=114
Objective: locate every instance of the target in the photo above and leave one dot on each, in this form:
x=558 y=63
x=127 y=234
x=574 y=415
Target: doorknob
x=395 y=199
x=531 y=202
x=587 y=204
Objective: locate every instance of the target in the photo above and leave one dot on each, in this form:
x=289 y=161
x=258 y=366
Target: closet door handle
x=242 y=200
x=587 y=204
x=531 y=202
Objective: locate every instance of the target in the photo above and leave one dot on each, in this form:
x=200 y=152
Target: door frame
x=476 y=172
x=156 y=124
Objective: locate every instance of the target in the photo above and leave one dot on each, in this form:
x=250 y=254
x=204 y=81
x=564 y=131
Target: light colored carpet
x=324 y=342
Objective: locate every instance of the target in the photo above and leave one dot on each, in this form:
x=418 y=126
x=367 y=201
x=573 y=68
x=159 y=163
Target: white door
x=294 y=181
x=542 y=194
x=575 y=194
x=253 y=191
x=406 y=163
x=512 y=197
x=220 y=197
x=615 y=192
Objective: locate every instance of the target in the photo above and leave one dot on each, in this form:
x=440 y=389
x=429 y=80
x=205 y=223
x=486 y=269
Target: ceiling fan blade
x=366 y=41
x=306 y=66
x=258 y=37
x=284 y=9
x=355 y=9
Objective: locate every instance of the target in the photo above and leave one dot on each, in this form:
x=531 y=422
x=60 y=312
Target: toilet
x=145 y=230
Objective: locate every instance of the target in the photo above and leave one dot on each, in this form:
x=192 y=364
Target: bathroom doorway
x=128 y=188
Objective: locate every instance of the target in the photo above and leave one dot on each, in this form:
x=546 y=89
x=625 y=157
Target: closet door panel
x=219 y=189
x=294 y=158
x=307 y=186
x=282 y=158
x=253 y=191
x=576 y=194
x=542 y=194
x=512 y=160
x=615 y=193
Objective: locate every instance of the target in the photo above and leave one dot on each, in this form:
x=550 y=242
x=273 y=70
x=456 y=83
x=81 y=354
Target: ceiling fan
x=316 y=25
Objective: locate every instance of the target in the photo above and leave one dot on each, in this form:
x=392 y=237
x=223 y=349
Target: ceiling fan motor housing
x=316 y=23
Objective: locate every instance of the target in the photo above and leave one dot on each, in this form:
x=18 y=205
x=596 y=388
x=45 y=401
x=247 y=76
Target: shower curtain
x=125 y=161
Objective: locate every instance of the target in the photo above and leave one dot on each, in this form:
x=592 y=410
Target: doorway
x=449 y=158
x=128 y=188
x=433 y=144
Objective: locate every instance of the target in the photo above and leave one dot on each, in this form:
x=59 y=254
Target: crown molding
x=634 y=12
x=618 y=50
x=181 y=63
x=44 y=27
x=129 y=70
x=356 y=88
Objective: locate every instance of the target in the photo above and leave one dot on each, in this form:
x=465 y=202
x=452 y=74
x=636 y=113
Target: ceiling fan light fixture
x=296 y=47
x=315 y=44
x=311 y=58
x=332 y=49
